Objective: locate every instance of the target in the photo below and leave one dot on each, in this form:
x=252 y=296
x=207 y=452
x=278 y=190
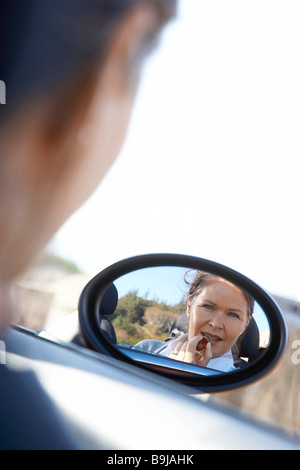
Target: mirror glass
x=190 y=317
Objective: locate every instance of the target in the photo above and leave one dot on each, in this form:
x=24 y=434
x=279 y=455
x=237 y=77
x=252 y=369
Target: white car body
x=113 y=405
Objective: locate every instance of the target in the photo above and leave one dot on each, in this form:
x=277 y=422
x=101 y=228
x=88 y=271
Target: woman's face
x=218 y=312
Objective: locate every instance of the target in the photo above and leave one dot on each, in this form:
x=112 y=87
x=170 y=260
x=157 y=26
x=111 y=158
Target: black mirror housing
x=99 y=299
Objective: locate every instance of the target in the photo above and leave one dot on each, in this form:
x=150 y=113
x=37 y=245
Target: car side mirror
x=186 y=318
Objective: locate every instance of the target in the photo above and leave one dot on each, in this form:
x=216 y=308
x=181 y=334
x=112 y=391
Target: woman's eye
x=207 y=306
x=233 y=314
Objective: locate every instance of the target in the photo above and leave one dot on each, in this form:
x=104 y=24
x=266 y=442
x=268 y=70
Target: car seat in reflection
x=107 y=306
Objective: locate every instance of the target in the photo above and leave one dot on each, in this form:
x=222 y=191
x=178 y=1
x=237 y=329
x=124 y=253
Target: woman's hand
x=187 y=351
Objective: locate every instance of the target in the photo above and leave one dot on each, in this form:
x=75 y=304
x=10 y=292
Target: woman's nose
x=216 y=320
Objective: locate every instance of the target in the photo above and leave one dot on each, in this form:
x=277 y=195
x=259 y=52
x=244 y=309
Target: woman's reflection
x=218 y=313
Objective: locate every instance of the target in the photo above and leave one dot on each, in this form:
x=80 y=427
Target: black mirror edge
x=264 y=365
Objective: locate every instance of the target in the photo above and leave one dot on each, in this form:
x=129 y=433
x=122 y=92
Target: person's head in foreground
x=71 y=70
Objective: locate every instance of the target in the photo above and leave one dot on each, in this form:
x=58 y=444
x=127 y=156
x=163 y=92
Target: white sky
x=211 y=163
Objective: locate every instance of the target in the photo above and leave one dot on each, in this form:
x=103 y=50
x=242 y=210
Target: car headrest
x=109 y=301
x=107 y=307
x=108 y=330
x=249 y=346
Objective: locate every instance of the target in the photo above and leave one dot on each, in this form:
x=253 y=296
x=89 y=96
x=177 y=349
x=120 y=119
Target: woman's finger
x=181 y=353
x=204 y=356
x=180 y=341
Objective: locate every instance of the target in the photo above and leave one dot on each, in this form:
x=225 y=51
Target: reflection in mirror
x=190 y=316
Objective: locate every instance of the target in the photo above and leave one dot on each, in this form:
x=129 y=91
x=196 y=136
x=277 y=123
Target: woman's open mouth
x=211 y=338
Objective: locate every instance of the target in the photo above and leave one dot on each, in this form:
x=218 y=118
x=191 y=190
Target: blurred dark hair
x=45 y=44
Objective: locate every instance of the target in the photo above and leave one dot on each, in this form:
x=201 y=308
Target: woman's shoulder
x=151 y=345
